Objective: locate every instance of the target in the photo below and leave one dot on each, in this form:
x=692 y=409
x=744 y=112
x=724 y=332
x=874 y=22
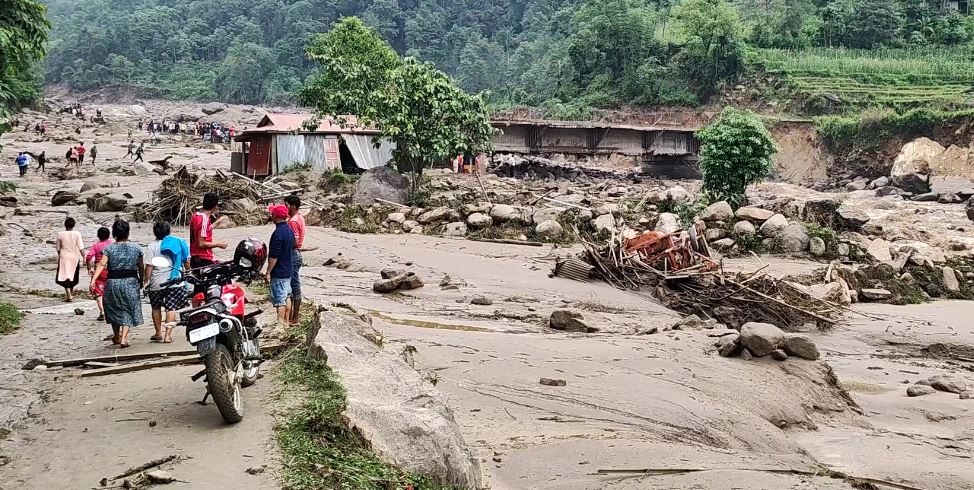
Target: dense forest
x=557 y=54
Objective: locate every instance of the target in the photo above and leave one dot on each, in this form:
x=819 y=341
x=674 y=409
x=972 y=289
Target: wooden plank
x=507 y=242
x=142 y=366
x=270 y=348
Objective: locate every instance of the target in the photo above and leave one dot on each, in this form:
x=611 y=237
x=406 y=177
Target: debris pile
x=178 y=196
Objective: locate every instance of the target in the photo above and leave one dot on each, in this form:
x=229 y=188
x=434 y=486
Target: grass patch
x=828 y=236
x=336 y=180
x=318 y=451
x=357 y=219
x=10 y=318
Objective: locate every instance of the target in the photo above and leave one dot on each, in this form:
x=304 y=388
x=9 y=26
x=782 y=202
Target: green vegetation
x=828 y=236
x=23 y=38
x=420 y=108
x=735 y=151
x=10 y=318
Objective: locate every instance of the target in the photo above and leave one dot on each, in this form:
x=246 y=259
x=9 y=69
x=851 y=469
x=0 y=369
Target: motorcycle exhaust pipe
x=226 y=325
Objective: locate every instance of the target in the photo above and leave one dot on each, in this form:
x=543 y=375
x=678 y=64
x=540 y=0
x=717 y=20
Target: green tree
x=23 y=32
x=242 y=76
x=735 y=151
x=713 y=49
x=418 y=107
x=875 y=23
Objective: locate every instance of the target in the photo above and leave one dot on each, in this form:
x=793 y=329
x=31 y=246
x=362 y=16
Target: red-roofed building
x=282 y=140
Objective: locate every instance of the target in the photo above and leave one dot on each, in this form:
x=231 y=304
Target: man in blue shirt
x=22 y=163
x=280 y=266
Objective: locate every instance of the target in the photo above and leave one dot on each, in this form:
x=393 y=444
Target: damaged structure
x=281 y=141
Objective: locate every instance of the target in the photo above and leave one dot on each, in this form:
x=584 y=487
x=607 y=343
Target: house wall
x=259 y=156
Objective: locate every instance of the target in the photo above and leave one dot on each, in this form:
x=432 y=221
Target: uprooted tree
x=411 y=103
x=735 y=151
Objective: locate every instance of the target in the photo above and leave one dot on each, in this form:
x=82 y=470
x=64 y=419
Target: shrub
x=735 y=151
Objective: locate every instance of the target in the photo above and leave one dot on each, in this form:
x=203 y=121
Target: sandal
x=100 y=318
x=167 y=341
x=123 y=346
x=156 y=338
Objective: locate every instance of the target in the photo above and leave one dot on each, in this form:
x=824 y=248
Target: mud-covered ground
x=632 y=400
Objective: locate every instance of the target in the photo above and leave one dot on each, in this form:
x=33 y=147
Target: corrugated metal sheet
x=575 y=269
x=290 y=151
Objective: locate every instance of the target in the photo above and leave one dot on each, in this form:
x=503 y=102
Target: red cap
x=278 y=211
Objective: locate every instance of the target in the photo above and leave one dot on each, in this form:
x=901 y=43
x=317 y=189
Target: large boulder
x=547 y=214
x=606 y=222
x=136 y=110
x=761 y=338
x=816 y=247
x=773 y=226
x=950 y=279
x=950 y=384
x=382 y=183
x=916 y=157
x=851 y=218
x=504 y=213
x=913 y=183
x=728 y=345
x=675 y=194
x=668 y=223
x=549 y=229
x=718 y=211
x=793 y=238
x=399 y=415
x=479 y=221
x=744 y=228
x=213 y=108
x=438 y=215
x=753 y=214
x=569 y=321
x=64 y=198
x=458 y=228
x=106 y=204
x=879 y=250
x=800 y=346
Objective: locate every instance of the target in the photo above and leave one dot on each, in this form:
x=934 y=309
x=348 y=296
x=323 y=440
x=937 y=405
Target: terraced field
x=846 y=80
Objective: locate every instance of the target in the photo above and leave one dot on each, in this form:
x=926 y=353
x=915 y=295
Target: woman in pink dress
x=70 y=251
x=97 y=288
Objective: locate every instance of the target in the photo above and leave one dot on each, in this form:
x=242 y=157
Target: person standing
x=280 y=266
x=131 y=149
x=97 y=286
x=73 y=158
x=124 y=263
x=296 y=223
x=22 y=163
x=41 y=161
x=201 y=227
x=175 y=251
x=81 y=153
x=70 y=250
x=94 y=154
x=138 y=153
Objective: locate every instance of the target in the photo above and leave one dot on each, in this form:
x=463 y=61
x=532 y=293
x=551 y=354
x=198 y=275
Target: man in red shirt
x=296 y=223
x=81 y=153
x=201 y=227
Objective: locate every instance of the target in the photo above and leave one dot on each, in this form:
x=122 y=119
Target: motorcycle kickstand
x=207 y=395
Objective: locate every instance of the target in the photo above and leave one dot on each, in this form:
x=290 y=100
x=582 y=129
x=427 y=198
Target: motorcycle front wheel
x=223 y=380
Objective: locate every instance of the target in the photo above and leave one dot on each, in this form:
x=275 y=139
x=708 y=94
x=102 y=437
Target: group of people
x=76 y=154
x=215 y=132
x=119 y=271
x=135 y=153
x=24 y=158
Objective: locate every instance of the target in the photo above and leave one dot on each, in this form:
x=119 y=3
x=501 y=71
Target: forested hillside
x=563 y=55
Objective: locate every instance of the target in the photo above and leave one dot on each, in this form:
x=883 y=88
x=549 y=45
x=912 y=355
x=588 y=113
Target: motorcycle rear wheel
x=223 y=381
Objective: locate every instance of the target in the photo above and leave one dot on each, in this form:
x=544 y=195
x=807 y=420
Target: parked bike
x=224 y=334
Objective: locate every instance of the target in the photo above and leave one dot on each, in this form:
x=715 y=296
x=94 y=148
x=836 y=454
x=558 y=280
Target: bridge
x=651 y=144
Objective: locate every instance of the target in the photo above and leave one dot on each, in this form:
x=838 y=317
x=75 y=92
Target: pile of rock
x=545 y=222
x=948 y=384
x=395 y=280
x=725 y=227
x=763 y=339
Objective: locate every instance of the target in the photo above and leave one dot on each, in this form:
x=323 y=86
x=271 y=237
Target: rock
x=136 y=110
x=779 y=355
x=142 y=169
x=800 y=346
x=851 y=218
x=553 y=382
x=409 y=225
x=723 y=244
x=381 y=182
x=388 y=285
x=548 y=214
x=879 y=182
x=718 y=211
x=950 y=384
x=855 y=185
x=445 y=281
x=438 y=215
x=675 y=194
x=481 y=207
x=479 y=221
x=950 y=279
x=611 y=208
x=913 y=183
x=879 y=250
x=728 y=345
x=212 y=108
x=87 y=186
x=397 y=218
x=391 y=273
x=481 y=301
x=744 y=228
x=714 y=234
x=753 y=214
x=919 y=390
x=64 y=198
x=585 y=215
x=617 y=191
x=411 y=281
x=159 y=477
x=548 y=230
x=761 y=338
x=793 y=238
x=503 y=213
x=458 y=228
x=569 y=321
x=106 y=204
x=605 y=222
x=395 y=412
x=875 y=294
x=921 y=250
x=816 y=246
x=926 y=197
x=746 y=354
x=967 y=395
x=668 y=223
x=773 y=225
x=917 y=157
x=79 y=311
x=888 y=191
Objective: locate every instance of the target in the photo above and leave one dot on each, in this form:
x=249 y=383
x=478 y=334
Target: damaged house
x=281 y=141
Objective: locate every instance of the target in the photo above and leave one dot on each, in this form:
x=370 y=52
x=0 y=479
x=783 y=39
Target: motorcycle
x=225 y=335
